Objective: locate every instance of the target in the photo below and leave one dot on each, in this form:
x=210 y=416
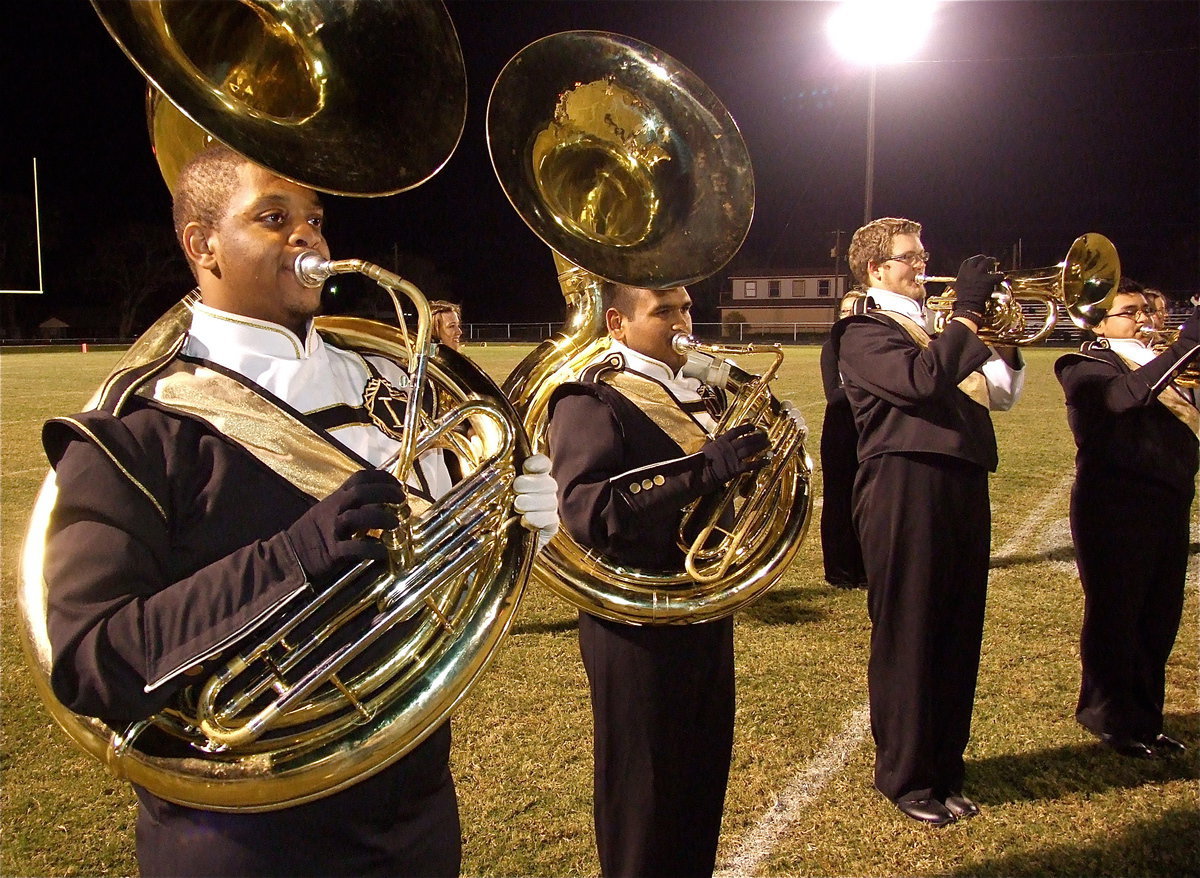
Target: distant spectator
x=447 y=323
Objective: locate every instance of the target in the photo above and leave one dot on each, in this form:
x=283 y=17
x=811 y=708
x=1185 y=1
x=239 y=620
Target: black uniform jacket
x=906 y=398
x=622 y=480
x=1121 y=430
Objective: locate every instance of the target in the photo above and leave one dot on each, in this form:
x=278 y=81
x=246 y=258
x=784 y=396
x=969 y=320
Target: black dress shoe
x=961 y=807
x=1126 y=746
x=1164 y=745
x=926 y=810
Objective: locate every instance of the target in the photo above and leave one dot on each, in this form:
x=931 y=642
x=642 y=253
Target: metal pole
x=870 y=145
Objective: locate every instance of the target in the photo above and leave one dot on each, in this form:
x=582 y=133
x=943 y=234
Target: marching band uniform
x=921 y=509
x=840 y=552
x=624 y=444
x=1135 y=473
x=165 y=548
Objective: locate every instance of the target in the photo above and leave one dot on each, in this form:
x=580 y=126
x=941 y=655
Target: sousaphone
x=361 y=98
x=622 y=161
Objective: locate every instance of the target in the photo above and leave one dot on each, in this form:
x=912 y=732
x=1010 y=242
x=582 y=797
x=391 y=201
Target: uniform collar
x=228 y=337
x=648 y=366
x=889 y=301
x=1132 y=349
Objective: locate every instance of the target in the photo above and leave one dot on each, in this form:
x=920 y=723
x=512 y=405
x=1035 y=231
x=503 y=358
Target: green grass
x=1054 y=802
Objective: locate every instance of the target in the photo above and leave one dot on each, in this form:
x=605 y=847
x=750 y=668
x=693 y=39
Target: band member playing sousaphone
x=172 y=538
x=1135 y=426
x=925 y=448
x=632 y=444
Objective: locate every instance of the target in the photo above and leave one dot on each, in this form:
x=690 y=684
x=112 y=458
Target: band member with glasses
x=1156 y=306
x=841 y=553
x=632 y=444
x=921 y=509
x=1137 y=457
x=175 y=534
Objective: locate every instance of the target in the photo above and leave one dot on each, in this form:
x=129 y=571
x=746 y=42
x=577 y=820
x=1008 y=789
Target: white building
x=804 y=302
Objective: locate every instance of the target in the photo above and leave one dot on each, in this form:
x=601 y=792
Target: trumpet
x=1084 y=284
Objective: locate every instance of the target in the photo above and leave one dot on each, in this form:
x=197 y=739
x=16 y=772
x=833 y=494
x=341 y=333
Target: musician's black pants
x=402 y=821
x=840 y=551
x=662 y=704
x=925 y=527
x=1131 y=545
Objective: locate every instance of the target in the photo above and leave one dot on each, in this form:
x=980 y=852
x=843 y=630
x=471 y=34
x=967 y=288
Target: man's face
x=447 y=329
x=1125 y=318
x=900 y=275
x=1158 y=311
x=250 y=255
x=654 y=319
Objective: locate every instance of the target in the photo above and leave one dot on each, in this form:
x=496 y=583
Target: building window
x=773 y=289
x=751 y=289
x=823 y=288
x=798 y=288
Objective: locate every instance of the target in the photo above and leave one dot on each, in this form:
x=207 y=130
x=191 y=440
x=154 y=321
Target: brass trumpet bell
x=313 y=91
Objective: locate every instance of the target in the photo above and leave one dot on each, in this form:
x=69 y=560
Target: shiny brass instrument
x=333 y=691
x=1083 y=284
x=631 y=170
x=1161 y=339
x=715 y=547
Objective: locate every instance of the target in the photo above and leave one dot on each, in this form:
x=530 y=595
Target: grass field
x=800 y=798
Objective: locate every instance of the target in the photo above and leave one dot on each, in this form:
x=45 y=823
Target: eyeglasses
x=911 y=257
x=1133 y=315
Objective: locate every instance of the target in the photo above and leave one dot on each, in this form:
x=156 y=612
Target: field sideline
x=800 y=799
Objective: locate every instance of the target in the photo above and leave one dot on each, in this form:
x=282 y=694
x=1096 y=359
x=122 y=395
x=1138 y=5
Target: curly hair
x=873 y=243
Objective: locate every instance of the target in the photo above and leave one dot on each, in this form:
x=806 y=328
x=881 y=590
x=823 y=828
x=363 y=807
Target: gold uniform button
x=659 y=480
x=635 y=488
x=647 y=484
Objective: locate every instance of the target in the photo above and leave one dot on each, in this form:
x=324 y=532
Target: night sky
x=1018 y=123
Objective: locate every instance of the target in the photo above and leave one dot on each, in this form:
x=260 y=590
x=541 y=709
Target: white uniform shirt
x=308 y=375
x=1004 y=383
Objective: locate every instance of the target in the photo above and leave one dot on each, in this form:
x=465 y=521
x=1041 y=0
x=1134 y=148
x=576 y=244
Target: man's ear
x=874 y=270
x=614 y=320
x=198 y=245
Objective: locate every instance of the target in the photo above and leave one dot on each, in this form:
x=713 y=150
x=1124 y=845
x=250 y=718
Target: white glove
x=537 y=498
x=789 y=409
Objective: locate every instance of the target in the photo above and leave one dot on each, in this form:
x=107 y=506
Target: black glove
x=976 y=281
x=735 y=452
x=1190 y=331
x=323 y=537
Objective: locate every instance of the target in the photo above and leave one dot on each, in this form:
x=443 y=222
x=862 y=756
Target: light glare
x=880 y=31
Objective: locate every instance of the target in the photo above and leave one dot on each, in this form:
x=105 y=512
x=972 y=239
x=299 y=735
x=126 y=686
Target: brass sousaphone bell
x=361 y=98
x=622 y=161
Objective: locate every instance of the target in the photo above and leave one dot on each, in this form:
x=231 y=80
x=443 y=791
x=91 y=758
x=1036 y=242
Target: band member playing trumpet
x=170 y=540
x=632 y=445
x=925 y=448
x=1135 y=430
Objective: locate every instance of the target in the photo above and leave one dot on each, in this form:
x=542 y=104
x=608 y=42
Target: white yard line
x=756 y=846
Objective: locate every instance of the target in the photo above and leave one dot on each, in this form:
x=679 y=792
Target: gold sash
x=974 y=385
x=1171 y=397
x=660 y=406
x=291 y=449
